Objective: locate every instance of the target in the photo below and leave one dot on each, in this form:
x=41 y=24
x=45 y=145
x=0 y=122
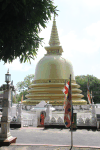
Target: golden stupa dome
x=50 y=74
x=53 y=67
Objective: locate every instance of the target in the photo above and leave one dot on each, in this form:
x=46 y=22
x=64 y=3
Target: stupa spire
x=54 y=38
x=54 y=47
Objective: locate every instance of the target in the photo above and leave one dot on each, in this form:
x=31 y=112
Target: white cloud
x=91 y=3
x=17 y=66
x=95 y=70
x=71 y=42
x=89 y=44
x=95 y=67
x=94 y=29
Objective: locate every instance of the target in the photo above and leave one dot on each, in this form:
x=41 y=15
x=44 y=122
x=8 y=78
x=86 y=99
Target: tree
x=14 y=99
x=94 y=84
x=19 y=96
x=24 y=85
x=20 y=25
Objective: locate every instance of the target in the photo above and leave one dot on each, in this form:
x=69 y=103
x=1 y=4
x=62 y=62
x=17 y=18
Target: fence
x=28 y=120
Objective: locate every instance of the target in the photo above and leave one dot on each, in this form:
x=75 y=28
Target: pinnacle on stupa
x=54 y=38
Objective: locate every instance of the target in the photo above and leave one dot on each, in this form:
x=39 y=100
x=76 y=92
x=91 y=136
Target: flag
x=65 y=91
x=22 y=98
x=88 y=93
x=68 y=112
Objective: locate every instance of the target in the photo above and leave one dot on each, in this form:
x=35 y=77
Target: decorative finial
x=8 y=70
x=54 y=39
x=54 y=48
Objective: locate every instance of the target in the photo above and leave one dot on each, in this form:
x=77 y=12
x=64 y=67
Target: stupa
x=50 y=74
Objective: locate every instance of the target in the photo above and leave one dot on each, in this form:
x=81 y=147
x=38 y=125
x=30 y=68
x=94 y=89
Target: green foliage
x=14 y=99
x=94 y=84
x=19 y=96
x=20 y=25
x=24 y=85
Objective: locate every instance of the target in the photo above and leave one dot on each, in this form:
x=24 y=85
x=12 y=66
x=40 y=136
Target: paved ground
x=30 y=135
x=62 y=137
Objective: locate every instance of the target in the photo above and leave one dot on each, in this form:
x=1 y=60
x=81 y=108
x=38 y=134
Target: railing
x=27 y=122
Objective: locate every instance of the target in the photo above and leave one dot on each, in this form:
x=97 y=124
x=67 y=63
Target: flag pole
x=65 y=85
x=71 y=117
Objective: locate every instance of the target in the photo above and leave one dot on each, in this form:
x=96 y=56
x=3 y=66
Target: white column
x=93 y=118
x=5 y=119
x=48 y=114
x=38 y=117
x=93 y=110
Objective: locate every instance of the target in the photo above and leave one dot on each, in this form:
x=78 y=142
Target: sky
x=78 y=25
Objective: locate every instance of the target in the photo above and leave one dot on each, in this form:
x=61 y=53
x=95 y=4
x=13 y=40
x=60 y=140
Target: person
x=42 y=119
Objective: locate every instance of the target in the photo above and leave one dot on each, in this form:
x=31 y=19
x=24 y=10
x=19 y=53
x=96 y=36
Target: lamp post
x=5 y=135
x=7 y=77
